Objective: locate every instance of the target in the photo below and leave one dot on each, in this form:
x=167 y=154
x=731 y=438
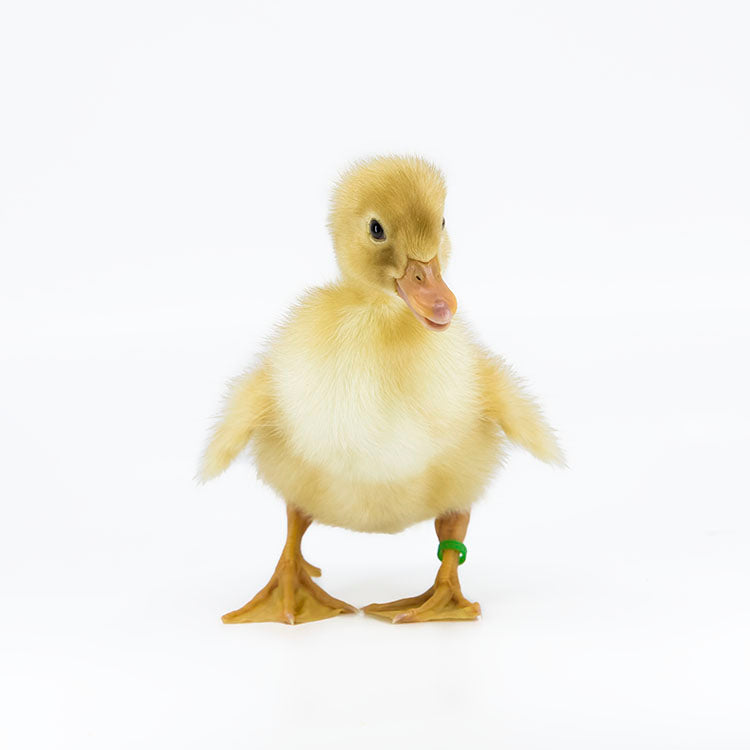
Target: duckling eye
x=443 y=227
x=376 y=230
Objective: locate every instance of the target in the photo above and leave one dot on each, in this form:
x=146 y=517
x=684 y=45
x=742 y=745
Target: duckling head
x=388 y=230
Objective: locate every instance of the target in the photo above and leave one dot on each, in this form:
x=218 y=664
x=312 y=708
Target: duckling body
x=377 y=422
x=373 y=408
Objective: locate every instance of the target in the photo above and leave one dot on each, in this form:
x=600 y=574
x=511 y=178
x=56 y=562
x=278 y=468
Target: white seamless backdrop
x=165 y=169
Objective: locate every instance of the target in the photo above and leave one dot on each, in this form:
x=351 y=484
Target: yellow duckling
x=373 y=408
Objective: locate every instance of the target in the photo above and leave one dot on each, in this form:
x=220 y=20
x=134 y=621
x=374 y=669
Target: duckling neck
x=379 y=308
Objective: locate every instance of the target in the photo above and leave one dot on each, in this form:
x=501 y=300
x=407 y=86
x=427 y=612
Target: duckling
x=373 y=407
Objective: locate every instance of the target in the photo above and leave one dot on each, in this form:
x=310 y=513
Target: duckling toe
x=443 y=601
x=311 y=570
x=290 y=598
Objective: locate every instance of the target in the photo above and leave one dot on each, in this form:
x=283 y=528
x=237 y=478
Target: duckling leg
x=291 y=596
x=443 y=600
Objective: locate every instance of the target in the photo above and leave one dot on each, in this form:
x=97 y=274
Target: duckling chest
x=373 y=418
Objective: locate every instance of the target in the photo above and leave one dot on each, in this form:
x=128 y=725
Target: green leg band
x=460 y=547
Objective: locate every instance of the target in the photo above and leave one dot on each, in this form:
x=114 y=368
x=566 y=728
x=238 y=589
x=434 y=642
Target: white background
x=165 y=173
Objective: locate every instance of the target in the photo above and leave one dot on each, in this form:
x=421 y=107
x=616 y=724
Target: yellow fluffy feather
x=359 y=415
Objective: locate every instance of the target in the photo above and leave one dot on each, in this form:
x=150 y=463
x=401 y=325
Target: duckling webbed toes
x=443 y=601
x=290 y=597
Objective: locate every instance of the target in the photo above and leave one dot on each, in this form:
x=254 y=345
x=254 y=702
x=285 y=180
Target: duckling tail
x=246 y=407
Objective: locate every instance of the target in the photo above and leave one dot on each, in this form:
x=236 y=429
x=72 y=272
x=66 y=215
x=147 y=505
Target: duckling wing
x=505 y=402
x=246 y=407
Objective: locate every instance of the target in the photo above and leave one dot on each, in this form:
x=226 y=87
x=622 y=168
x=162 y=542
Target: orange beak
x=423 y=289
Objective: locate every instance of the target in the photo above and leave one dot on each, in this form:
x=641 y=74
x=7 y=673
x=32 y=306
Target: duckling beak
x=427 y=295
